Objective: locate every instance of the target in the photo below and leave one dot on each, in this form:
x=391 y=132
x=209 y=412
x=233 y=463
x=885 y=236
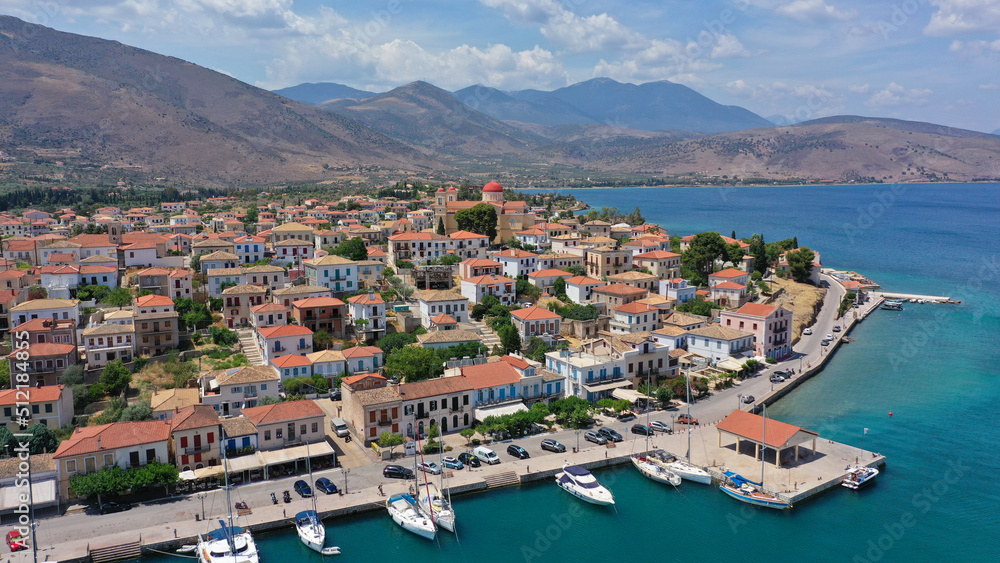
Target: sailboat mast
x=229 y=504
x=763 y=444
x=311 y=482
x=689 y=411
x=647 y=413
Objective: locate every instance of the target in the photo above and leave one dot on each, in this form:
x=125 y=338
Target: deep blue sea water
x=933 y=366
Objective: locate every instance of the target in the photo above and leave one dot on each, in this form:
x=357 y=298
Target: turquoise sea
x=933 y=366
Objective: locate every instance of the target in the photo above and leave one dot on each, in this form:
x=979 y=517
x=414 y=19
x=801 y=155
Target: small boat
x=859 y=476
x=655 y=468
x=189 y=548
x=311 y=530
x=581 y=483
x=892 y=305
x=433 y=502
x=741 y=488
x=403 y=510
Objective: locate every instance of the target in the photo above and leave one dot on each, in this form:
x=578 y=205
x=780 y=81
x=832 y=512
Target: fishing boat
x=653 y=464
x=403 y=509
x=433 y=501
x=311 y=530
x=858 y=477
x=892 y=305
x=582 y=484
x=228 y=543
x=684 y=468
x=751 y=492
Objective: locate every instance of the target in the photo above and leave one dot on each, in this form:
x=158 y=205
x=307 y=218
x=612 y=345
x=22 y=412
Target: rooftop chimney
x=98 y=442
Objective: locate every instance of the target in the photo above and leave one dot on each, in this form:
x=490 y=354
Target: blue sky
x=928 y=60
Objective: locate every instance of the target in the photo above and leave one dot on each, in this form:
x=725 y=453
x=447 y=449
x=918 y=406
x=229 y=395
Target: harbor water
x=933 y=367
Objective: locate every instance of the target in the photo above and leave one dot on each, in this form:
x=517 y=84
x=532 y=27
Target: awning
x=606 y=386
x=730 y=364
x=43 y=493
x=245 y=463
x=295 y=453
x=210 y=471
x=630 y=395
x=481 y=414
x=187 y=475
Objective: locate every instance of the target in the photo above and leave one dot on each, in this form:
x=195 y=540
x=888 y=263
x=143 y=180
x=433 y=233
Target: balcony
x=303 y=347
x=459 y=409
x=249 y=394
x=385 y=422
x=423 y=416
x=197 y=449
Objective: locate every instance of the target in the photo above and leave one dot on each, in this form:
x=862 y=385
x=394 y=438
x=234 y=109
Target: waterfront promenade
x=173 y=521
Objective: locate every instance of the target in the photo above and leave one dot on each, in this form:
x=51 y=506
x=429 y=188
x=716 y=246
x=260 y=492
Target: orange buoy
x=890 y=413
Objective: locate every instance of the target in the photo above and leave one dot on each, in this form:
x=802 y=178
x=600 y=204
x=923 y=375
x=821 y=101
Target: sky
x=792 y=60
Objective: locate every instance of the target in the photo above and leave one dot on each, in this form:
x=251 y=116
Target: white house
x=543 y=279
x=333 y=272
x=677 y=288
x=503 y=288
x=108 y=342
x=516 y=262
x=277 y=341
x=591 y=372
x=222 y=278
x=580 y=289
x=434 y=303
x=230 y=390
x=249 y=248
x=533 y=236
x=328 y=363
x=469 y=245
x=535 y=321
x=718 y=343
x=362 y=359
x=45 y=309
x=634 y=317
x=368 y=307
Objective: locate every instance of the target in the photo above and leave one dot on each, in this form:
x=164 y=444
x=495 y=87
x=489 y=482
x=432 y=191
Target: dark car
x=592 y=436
x=335 y=395
x=112 y=506
x=610 y=434
x=303 y=489
x=326 y=486
x=553 y=446
x=396 y=472
x=687 y=419
x=661 y=427
x=469 y=459
x=517 y=451
x=642 y=429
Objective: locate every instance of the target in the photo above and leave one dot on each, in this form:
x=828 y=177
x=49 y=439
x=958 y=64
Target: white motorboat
x=655 y=469
x=859 y=476
x=403 y=510
x=433 y=502
x=582 y=484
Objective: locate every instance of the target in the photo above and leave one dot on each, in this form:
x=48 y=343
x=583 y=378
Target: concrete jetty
x=908 y=296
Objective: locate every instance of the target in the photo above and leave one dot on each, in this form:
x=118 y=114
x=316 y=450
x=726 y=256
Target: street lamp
x=346 y=471
x=578 y=440
x=739 y=401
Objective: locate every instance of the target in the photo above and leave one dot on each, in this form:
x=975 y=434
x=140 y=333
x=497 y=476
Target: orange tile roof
x=729 y=285
x=583 y=280
x=491 y=374
x=656 y=255
x=514 y=253
x=367 y=298
x=434 y=387
x=35 y=395
x=153 y=301
x=550 y=273
x=488 y=279
x=47 y=349
x=751 y=426
x=729 y=273
x=291 y=361
x=352 y=379
x=443 y=318
x=757 y=309
x=283 y=330
x=634 y=307
x=318 y=302
x=534 y=314
x=519 y=363
x=109 y=437
x=194 y=416
x=620 y=289
x=284 y=411
x=361 y=351
x=466 y=235
x=476 y=262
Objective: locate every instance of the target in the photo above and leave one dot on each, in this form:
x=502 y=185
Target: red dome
x=452 y=189
x=440 y=190
x=492 y=188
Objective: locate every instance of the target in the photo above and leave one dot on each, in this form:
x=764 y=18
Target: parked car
x=610 y=434
x=807 y=331
x=452 y=463
x=335 y=395
x=625 y=416
x=486 y=455
x=303 y=489
x=553 y=446
x=112 y=506
x=396 y=472
x=468 y=459
x=776 y=378
x=661 y=427
x=642 y=429
x=836 y=328
x=517 y=451
x=592 y=436
x=326 y=486
x=826 y=342
x=687 y=419
x=429 y=467
x=15 y=541
x=747 y=399
x=828 y=337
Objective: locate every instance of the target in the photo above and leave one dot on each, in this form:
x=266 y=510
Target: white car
x=829 y=337
x=428 y=467
x=807 y=331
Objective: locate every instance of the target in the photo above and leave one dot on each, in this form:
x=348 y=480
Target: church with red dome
x=512 y=216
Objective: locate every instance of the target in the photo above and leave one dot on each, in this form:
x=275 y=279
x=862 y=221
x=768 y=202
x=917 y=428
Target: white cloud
x=975 y=48
x=956 y=17
x=809 y=11
x=859 y=89
x=728 y=46
x=568 y=30
x=894 y=95
x=990 y=86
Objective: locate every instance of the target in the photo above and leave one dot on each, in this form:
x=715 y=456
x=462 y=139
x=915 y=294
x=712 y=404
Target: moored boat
x=688 y=471
x=403 y=510
x=311 y=530
x=892 y=305
x=859 y=476
x=582 y=484
x=741 y=488
x=655 y=468
x=433 y=502
x=227 y=544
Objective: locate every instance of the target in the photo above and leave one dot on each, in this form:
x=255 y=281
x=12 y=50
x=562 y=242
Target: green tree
x=480 y=219
x=392 y=342
x=734 y=254
x=196 y=262
x=119 y=297
x=559 y=288
x=509 y=339
x=440 y=230
x=7 y=441
x=252 y=216
x=751 y=367
x=322 y=340
x=268 y=400
x=43 y=439
x=4 y=372
x=696 y=306
x=390 y=440
x=536 y=348
x=758 y=249
x=111 y=480
x=223 y=336
x=489 y=301
x=115 y=377
x=137 y=411
x=527 y=290
x=800 y=263
x=467 y=433
x=664 y=394
x=37 y=292
x=576 y=270
x=700 y=257
x=412 y=363
x=352 y=249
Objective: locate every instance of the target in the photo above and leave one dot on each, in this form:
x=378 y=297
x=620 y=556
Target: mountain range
x=99 y=102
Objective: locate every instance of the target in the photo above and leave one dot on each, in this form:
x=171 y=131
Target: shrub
x=771 y=361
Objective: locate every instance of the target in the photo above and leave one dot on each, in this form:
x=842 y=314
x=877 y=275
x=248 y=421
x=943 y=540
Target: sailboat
x=405 y=510
x=751 y=492
x=311 y=530
x=229 y=543
x=653 y=465
x=433 y=501
x=685 y=468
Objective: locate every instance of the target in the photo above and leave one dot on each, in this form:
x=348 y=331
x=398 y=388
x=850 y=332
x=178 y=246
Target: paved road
x=82 y=525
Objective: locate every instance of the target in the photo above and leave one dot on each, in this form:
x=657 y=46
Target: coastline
x=755 y=185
